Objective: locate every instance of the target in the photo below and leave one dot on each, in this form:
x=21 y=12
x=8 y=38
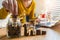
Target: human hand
x=11 y=6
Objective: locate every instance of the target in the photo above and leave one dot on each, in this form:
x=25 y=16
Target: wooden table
x=52 y=34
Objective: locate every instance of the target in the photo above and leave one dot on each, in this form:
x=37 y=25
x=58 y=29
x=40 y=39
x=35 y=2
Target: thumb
x=5 y=5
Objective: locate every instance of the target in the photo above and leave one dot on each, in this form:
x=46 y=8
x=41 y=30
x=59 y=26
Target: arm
x=8 y=6
x=32 y=14
x=3 y=13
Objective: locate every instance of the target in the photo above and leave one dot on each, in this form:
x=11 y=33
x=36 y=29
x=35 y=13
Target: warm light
x=49 y=4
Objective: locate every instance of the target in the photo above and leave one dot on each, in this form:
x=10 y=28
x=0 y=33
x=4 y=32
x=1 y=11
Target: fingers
x=15 y=7
x=10 y=6
x=37 y=20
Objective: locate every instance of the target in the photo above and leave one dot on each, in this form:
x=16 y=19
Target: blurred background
x=42 y=6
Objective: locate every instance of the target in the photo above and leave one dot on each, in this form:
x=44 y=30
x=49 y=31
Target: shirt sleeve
x=3 y=13
x=32 y=13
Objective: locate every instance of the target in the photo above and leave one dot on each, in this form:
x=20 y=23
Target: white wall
x=1 y=3
x=40 y=7
x=49 y=5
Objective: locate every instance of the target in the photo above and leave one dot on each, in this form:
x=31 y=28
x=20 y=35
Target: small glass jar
x=13 y=28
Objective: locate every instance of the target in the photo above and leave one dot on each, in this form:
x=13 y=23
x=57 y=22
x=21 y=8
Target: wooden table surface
x=52 y=34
